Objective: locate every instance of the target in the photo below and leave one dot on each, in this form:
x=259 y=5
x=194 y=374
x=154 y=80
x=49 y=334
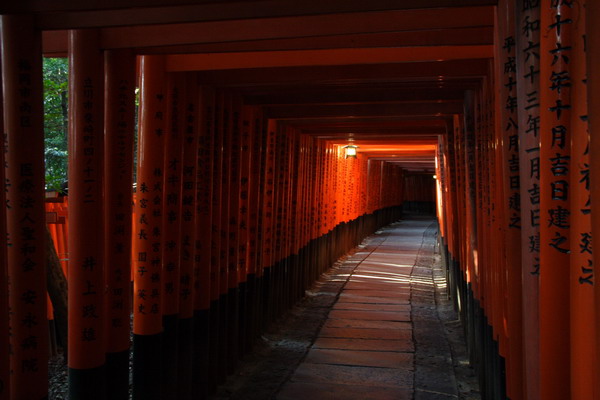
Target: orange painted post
x=87 y=336
x=555 y=212
x=246 y=147
x=190 y=133
x=203 y=238
x=274 y=300
x=257 y=246
x=306 y=214
x=215 y=237
x=4 y=315
x=507 y=123
x=267 y=218
x=527 y=64
x=581 y=257
x=226 y=132
x=233 y=260
x=119 y=126
x=593 y=98
x=296 y=193
x=253 y=260
x=171 y=227
x=24 y=151
x=147 y=259
x=283 y=253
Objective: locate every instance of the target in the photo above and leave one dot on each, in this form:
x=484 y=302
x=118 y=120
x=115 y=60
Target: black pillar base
x=147 y=360
x=185 y=358
x=222 y=345
x=169 y=356
x=232 y=329
x=213 y=344
x=117 y=375
x=201 y=354
x=87 y=384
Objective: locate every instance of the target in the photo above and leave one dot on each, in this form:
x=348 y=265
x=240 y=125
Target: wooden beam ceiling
x=383 y=72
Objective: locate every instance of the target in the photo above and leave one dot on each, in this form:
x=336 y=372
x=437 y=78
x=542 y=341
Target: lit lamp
x=350 y=150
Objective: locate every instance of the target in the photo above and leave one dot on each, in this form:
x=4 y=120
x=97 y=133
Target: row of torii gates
x=239 y=205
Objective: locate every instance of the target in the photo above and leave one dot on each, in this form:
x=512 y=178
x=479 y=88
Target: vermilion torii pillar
x=23 y=125
x=171 y=229
x=147 y=267
x=87 y=339
x=119 y=128
x=593 y=97
x=528 y=83
x=555 y=212
x=582 y=277
x=4 y=345
x=202 y=258
x=190 y=130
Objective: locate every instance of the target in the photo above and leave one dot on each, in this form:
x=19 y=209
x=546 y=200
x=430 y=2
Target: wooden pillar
x=215 y=237
x=4 y=315
x=147 y=282
x=190 y=133
x=581 y=257
x=24 y=151
x=171 y=228
x=226 y=129
x=202 y=260
x=555 y=212
x=507 y=123
x=119 y=125
x=246 y=159
x=256 y=182
x=87 y=339
x=593 y=97
x=268 y=210
x=233 y=264
x=527 y=64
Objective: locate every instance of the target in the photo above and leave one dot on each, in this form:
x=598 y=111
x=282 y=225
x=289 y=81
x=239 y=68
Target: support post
x=87 y=336
x=147 y=259
x=119 y=126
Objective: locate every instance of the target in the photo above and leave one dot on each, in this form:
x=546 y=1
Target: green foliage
x=56 y=121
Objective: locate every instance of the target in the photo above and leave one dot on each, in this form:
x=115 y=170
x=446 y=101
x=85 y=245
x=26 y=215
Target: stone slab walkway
x=369 y=329
x=365 y=349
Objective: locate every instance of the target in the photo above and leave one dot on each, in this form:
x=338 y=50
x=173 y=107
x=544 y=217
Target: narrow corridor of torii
x=244 y=194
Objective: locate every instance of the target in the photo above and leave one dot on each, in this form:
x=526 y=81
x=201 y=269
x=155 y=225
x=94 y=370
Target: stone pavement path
x=369 y=329
x=365 y=349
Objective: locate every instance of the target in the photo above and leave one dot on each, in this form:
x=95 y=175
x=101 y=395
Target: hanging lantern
x=350 y=150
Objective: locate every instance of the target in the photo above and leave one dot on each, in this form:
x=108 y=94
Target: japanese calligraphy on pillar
x=528 y=29
x=510 y=127
x=226 y=132
x=245 y=176
x=268 y=202
x=119 y=127
x=204 y=190
x=215 y=234
x=528 y=67
x=581 y=260
x=555 y=195
x=580 y=147
x=558 y=133
x=188 y=197
x=149 y=199
x=528 y=71
x=24 y=185
x=234 y=200
x=255 y=184
x=86 y=158
x=170 y=189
